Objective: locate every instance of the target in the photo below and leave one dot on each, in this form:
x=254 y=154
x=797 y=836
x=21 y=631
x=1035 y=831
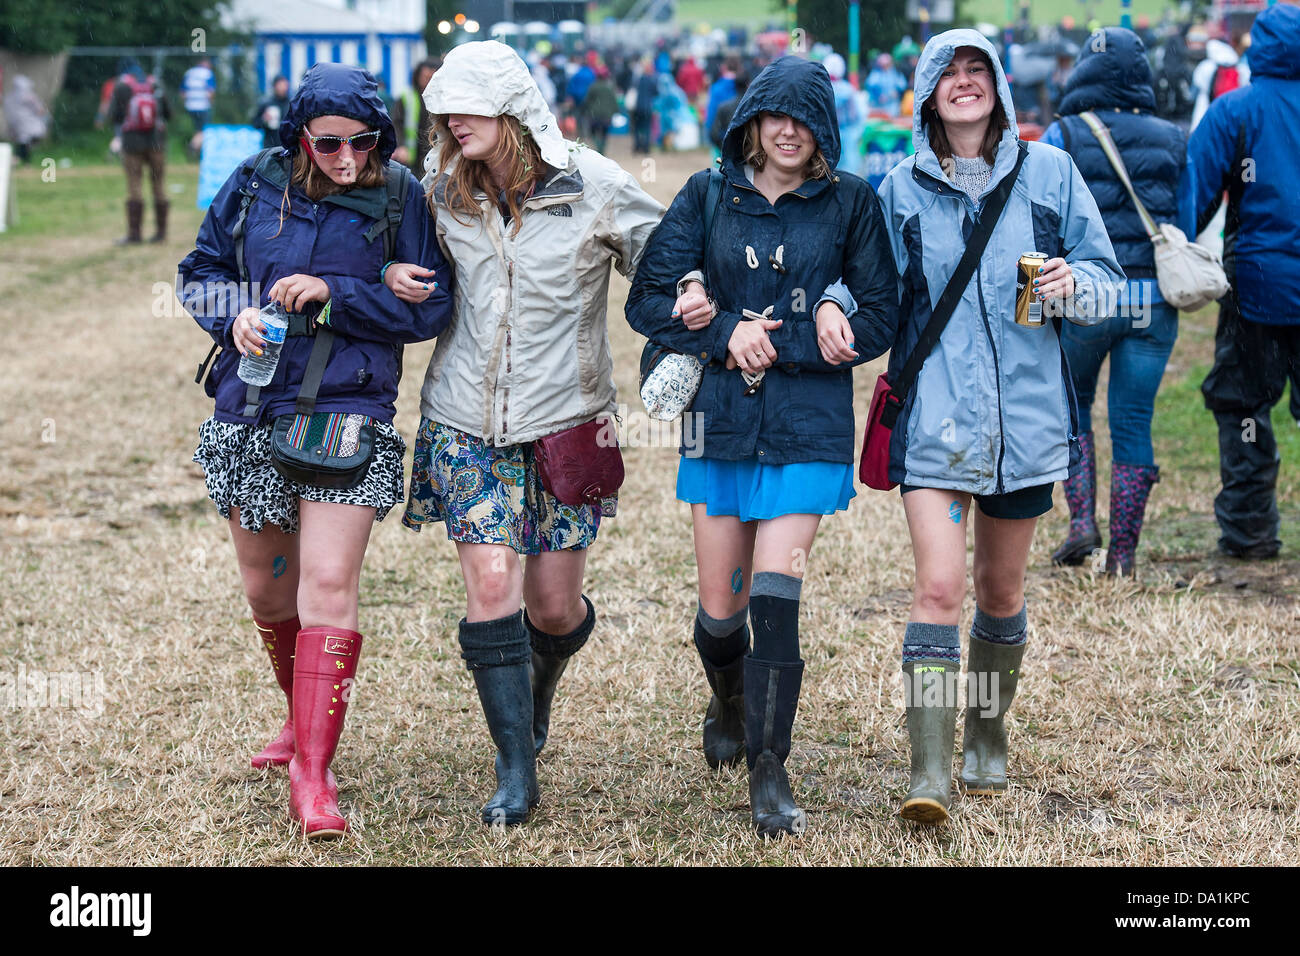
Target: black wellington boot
x=771 y=699
x=724 y=721
x=930 y=690
x=551 y=655
x=497 y=653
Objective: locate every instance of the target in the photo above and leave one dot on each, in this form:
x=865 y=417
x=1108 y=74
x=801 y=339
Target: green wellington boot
x=930 y=690
x=994 y=670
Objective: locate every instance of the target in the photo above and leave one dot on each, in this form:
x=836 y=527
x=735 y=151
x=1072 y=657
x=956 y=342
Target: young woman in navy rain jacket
x=299 y=546
x=991 y=416
x=777 y=450
x=1113 y=79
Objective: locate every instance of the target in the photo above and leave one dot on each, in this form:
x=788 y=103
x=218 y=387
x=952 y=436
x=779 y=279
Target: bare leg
x=332 y=542
x=724 y=560
x=552 y=589
x=1001 y=557
x=939 y=548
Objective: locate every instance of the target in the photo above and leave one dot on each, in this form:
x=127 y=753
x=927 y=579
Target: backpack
x=1226 y=79
x=396 y=182
x=142 y=109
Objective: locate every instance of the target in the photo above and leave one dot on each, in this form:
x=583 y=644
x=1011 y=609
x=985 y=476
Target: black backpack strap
x=252 y=400
x=397 y=179
x=316 y=362
x=952 y=293
x=203 y=366
x=712 y=197
x=237 y=232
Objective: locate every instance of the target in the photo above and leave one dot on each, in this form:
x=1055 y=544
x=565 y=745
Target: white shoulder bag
x=1189 y=276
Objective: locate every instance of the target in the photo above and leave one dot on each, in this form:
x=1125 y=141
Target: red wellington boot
x=323 y=672
x=280 y=639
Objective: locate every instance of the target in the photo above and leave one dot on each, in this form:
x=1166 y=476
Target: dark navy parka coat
x=825 y=229
x=325 y=239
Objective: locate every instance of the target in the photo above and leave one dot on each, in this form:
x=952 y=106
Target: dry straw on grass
x=1157 y=722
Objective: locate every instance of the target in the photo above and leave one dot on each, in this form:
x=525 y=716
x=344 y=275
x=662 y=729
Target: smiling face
x=341 y=167
x=966 y=92
x=789 y=144
x=478 y=136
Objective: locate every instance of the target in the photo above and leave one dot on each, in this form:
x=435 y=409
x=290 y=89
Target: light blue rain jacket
x=993 y=408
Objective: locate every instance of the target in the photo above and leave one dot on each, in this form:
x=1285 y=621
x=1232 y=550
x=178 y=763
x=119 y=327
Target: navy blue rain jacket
x=781 y=256
x=1112 y=78
x=1248 y=143
x=325 y=239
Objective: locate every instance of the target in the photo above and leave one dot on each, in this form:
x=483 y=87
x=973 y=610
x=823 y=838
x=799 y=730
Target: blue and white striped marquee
x=390 y=56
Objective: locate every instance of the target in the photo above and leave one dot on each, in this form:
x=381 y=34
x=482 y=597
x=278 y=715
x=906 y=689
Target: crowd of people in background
x=673 y=97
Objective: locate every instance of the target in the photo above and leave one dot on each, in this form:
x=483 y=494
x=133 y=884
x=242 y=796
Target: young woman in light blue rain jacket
x=992 y=414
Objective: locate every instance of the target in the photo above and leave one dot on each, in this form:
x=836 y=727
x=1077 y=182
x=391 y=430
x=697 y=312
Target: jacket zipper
x=505 y=392
x=997 y=379
x=988 y=331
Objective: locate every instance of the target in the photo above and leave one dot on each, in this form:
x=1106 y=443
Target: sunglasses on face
x=329 y=145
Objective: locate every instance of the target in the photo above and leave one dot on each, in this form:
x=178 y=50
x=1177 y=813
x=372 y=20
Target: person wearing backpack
x=1112 y=84
x=988 y=421
x=532 y=223
x=1247 y=147
x=311 y=225
x=141 y=109
x=728 y=278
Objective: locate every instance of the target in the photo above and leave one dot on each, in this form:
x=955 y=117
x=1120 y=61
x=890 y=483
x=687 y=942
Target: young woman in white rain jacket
x=531 y=225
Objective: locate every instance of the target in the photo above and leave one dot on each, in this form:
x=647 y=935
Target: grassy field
x=1157 y=721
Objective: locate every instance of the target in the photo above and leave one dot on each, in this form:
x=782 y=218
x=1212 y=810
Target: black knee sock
x=721 y=641
x=561 y=645
x=774 y=610
x=497 y=643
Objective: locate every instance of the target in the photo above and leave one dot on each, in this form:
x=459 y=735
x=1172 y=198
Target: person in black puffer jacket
x=1112 y=79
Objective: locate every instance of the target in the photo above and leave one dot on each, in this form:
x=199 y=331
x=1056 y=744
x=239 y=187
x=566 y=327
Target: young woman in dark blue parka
x=305 y=245
x=774 y=412
x=1113 y=79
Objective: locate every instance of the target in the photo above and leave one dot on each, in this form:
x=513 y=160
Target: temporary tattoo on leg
x=278 y=566
x=737 y=581
x=954 y=512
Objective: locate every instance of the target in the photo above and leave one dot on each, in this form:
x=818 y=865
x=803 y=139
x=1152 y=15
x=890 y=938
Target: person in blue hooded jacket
x=774 y=413
x=1112 y=79
x=313 y=209
x=1247 y=146
x=991 y=416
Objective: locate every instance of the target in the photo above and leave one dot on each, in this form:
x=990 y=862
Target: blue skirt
x=753 y=492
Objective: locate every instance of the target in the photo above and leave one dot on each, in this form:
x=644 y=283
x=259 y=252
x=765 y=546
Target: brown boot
x=134 y=219
x=160 y=216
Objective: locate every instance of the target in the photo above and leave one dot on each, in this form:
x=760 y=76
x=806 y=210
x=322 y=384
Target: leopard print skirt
x=236 y=462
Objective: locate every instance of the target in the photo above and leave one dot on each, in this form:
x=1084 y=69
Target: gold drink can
x=1029 y=308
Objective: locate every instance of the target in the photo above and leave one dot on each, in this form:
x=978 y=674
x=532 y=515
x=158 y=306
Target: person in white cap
x=531 y=224
x=850 y=112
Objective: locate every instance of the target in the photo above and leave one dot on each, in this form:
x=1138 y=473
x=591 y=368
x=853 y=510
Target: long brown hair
x=992 y=133
x=516 y=151
x=751 y=149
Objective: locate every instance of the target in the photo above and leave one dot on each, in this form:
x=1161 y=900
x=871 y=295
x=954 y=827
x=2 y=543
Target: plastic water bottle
x=259 y=369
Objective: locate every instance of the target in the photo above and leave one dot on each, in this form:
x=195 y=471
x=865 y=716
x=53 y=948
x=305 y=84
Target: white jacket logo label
x=74 y=909
x=561 y=209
